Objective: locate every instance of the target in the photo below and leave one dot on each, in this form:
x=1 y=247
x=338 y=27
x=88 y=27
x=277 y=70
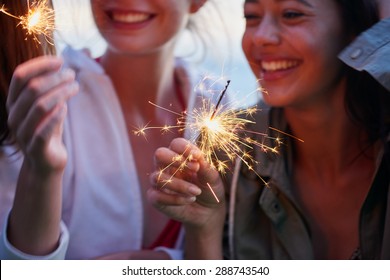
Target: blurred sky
x=76 y=28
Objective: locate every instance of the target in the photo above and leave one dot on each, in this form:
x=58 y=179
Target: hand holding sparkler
x=37 y=106
x=188 y=188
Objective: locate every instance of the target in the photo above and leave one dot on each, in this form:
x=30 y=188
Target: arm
x=37 y=107
x=184 y=194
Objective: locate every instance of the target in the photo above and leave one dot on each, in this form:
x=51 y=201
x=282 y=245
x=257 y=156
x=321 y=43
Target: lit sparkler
x=39 y=20
x=220 y=134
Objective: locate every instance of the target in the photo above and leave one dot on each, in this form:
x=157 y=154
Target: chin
x=274 y=100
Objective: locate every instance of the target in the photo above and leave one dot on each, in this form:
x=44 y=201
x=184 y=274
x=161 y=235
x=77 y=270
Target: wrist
x=199 y=244
x=205 y=241
x=41 y=173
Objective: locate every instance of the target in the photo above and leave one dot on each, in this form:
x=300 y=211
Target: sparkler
x=220 y=134
x=39 y=20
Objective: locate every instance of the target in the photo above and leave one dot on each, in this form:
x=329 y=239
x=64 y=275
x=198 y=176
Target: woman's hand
x=36 y=106
x=187 y=188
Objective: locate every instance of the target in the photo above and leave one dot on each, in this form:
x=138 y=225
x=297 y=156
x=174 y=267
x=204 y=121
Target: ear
x=196 y=5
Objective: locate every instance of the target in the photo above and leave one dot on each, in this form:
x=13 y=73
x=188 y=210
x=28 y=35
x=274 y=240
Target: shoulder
x=93 y=82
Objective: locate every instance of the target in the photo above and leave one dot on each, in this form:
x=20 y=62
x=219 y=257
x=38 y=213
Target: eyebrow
x=304 y=2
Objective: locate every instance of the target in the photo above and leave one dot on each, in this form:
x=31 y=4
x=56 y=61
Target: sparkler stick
x=39 y=20
x=220 y=99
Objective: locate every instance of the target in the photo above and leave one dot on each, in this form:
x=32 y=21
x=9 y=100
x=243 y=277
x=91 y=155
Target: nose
x=267 y=32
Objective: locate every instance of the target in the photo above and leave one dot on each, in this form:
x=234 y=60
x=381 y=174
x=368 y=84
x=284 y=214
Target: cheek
x=174 y=21
x=245 y=44
x=249 y=51
x=323 y=54
x=98 y=15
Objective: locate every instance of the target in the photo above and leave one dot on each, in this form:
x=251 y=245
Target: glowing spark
x=220 y=134
x=292 y=136
x=39 y=20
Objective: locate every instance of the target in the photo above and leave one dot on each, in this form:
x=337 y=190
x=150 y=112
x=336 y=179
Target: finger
x=34 y=139
x=25 y=125
x=39 y=86
x=165 y=158
x=169 y=184
x=42 y=100
x=44 y=132
x=207 y=173
x=185 y=148
x=28 y=70
x=163 y=200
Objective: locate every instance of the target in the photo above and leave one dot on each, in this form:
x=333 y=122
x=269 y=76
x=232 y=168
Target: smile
x=125 y=17
x=272 y=66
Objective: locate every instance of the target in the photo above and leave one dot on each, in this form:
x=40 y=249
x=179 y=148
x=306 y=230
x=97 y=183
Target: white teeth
x=130 y=18
x=278 y=65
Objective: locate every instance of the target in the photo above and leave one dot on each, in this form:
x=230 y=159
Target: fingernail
x=191 y=199
x=75 y=87
x=68 y=73
x=196 y=154
x=194 y=190
x=194 y=166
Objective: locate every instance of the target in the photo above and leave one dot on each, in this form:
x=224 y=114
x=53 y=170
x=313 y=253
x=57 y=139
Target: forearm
x=35 y=217
x=205 y=242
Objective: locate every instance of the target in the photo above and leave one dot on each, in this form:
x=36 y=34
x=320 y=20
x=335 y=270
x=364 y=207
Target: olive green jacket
x=265 y=222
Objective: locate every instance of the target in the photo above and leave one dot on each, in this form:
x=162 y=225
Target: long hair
x=16 y=48
x=367 y=102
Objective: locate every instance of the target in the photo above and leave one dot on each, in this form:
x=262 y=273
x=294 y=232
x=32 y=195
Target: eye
x=252 y=19
x=292 y=14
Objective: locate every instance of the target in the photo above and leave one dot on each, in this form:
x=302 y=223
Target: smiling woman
x=76 y=27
